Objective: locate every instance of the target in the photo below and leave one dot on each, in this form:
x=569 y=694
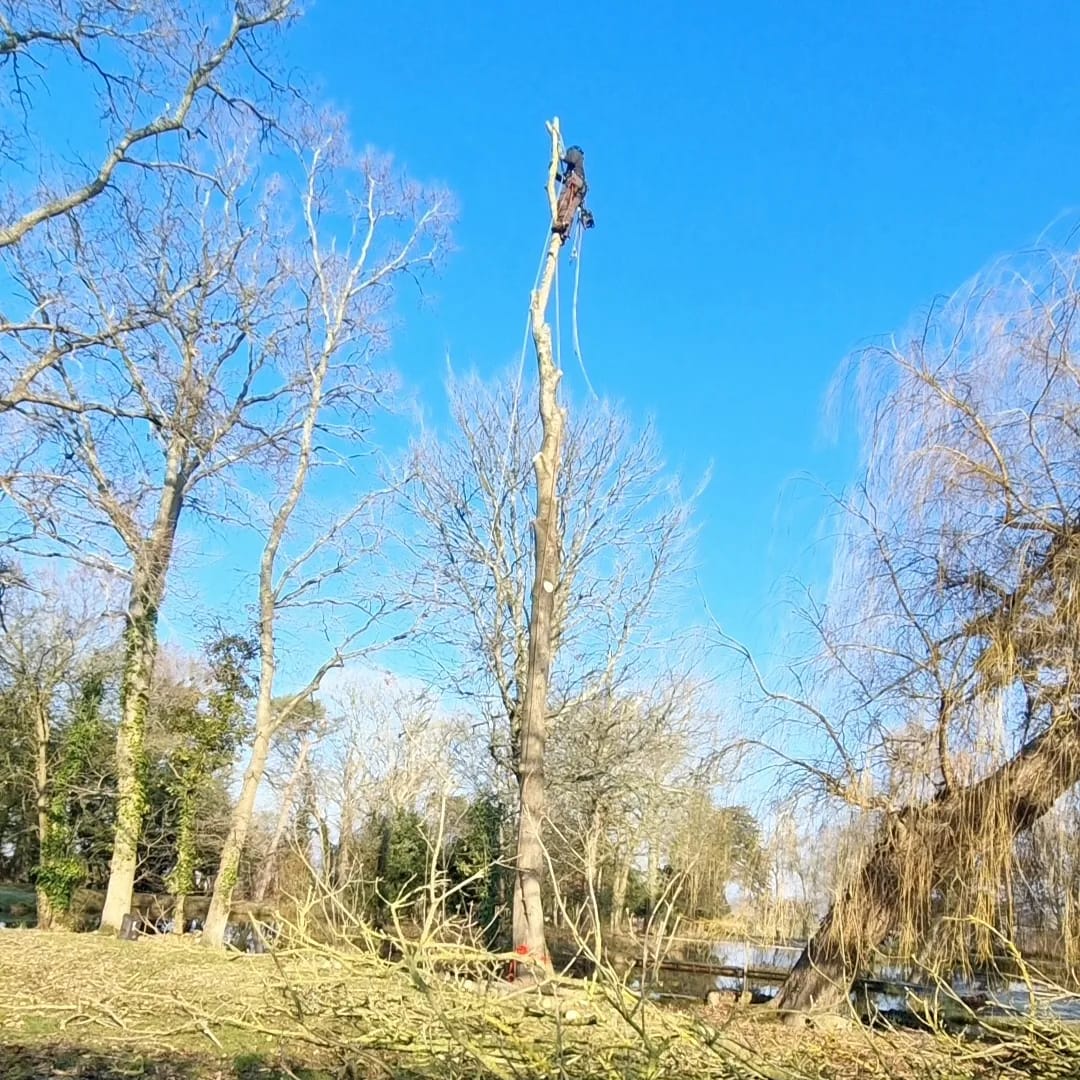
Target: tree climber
x=572 y=198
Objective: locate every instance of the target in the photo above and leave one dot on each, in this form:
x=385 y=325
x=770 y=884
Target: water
x=991 y=994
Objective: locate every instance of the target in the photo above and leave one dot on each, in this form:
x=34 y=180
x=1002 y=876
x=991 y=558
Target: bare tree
x=295 y=747
x=943 y=699
x=626 y=546
x=155 y=77
x=137 y=379
x=397 y=228
x=579 y=568
x=528 y=915
x=390 y=756
x=619 y=764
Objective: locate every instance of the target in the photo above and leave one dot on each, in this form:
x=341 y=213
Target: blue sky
x=773 y=185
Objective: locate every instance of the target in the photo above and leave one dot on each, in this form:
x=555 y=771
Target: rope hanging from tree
x=571 y=221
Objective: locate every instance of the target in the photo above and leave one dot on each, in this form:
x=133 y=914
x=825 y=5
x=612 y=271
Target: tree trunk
x=151 y=567
x=528 y=910
x=652 y=877
x=620 y=882
x=140 y=650
x=217 y=917
x=941 y=835
x=266 y=874
x=45 y=914
x=592 y=885
x=179 y=909
x=265 y=721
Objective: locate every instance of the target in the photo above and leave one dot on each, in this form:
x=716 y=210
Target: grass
x=84 y=1006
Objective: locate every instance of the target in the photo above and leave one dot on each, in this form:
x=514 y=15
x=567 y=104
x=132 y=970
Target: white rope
x=558 y=319
x=579 y=239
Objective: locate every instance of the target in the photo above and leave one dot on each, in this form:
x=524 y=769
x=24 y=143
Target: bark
x=140 y=651
x=266 y=874
x=179 y=909
x=41 y=793
x=528 y=911
x=652 y=876
x=620 y=882
x=942 y=834
x=217 y=917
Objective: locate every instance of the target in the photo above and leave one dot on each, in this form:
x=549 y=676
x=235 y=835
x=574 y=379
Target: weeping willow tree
x=941 y=700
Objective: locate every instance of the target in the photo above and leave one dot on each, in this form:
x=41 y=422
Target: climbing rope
x=575 y=255
x=558 y=321
x=578 y=237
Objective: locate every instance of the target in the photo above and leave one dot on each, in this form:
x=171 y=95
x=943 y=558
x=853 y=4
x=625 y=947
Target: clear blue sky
x=773 y=184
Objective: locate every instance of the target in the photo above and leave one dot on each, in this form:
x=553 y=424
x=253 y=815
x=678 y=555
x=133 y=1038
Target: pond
x=761 y=969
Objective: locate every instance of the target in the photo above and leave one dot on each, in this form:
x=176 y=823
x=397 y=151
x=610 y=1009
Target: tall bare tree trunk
x=338 y=303
x=266 y=723
x=217 y=918
x=151 y=565
x=266 y=874
x=620 y=882
x=943 y=833
x=652 y=875
x=591 y=863
x=528 y=909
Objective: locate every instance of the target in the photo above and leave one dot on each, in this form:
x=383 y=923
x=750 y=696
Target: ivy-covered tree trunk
x=140 y=652
x=149 y=573
x=182 y=881
x=45 y=915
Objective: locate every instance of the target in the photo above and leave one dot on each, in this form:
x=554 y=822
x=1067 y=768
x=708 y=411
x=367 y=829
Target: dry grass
x=81 y=1005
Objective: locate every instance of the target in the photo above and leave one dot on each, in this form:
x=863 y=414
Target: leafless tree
x=627 y=537
x=547 y=536
x=619 y=766
x=294 y=748
x=392 y=753
x=942 y=700
x=151 y=359
x=153 y=78
x=625 y=545
x=345 y=285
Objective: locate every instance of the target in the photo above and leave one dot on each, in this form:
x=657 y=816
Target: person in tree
x=572 y=197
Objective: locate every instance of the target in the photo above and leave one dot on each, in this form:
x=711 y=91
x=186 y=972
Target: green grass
x=95 y=1008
